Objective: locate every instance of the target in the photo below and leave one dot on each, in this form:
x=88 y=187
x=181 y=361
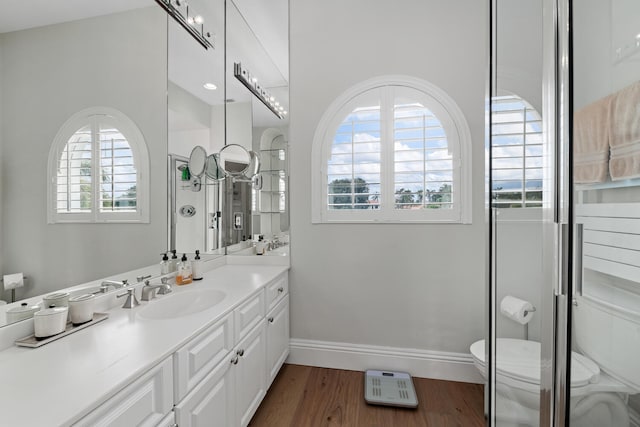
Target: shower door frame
x=556 y=293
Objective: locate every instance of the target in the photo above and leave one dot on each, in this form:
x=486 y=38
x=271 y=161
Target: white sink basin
x=181 y=304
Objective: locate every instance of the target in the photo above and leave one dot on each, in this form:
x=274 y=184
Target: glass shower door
x=605 y=112
x=518 y=197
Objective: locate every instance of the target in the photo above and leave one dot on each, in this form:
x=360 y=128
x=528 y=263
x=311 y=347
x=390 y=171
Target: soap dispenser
x=184 y=276
x=165 y=264
x=196 y=267
x=173 y=264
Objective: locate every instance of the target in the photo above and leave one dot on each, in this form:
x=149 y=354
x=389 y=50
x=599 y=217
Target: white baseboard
x=358 y=357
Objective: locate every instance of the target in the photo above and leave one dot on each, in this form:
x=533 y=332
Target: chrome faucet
x=149 y=290
x=131 y=300
x=104 y=286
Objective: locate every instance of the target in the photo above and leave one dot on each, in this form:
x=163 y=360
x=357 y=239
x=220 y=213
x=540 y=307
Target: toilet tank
x=610 y=336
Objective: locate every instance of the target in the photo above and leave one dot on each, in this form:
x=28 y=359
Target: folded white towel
x=625 y=133
x=591 y=133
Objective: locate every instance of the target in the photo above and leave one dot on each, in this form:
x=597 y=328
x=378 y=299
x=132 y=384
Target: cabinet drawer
x=198 y=357
x=145 y=402
x=249 y=314
x=276 y=290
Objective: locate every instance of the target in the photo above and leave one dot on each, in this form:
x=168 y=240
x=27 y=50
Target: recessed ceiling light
x=210 y=86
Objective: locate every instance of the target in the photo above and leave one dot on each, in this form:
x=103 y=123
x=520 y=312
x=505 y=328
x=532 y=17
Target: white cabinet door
x=211 y=402
x=277 y=338
x=168 y=421
x=200 y=355
x=145 y=402
x=250 y=374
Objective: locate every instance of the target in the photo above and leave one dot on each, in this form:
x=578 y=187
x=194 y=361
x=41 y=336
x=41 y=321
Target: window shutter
x=423 y=165
x=353 y=169
x=74 y=177
x=118 y=181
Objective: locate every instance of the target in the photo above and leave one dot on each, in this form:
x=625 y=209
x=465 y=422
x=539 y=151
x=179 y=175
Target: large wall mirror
x=196 y=116
x=258 y=44
x=98 y=57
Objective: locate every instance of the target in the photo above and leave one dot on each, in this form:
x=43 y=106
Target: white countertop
x=60 y=382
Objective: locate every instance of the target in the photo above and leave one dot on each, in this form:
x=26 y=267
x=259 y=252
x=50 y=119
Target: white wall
x=402 y=285
x=45 y=80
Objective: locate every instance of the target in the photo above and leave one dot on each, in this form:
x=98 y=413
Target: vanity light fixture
x=251 y=83
x=210 y=86
x=190 y=21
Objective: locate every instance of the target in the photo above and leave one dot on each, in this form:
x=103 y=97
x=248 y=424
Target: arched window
x=392 y=149
x=516 y=153
x=98 y=169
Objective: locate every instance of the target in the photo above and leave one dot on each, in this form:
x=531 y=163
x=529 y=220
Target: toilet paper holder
x=526 y=325
x=13 y=291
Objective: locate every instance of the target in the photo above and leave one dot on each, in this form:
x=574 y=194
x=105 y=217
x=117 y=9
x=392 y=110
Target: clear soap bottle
x=173 y=264
x=196 y=267
x=165 y=265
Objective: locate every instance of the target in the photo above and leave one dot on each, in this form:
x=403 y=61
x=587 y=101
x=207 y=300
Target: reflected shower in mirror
x=196 y=118
x=257 y=38
x=56 y=67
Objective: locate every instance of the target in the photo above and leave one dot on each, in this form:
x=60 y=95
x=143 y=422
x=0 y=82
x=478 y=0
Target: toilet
x=597 y=399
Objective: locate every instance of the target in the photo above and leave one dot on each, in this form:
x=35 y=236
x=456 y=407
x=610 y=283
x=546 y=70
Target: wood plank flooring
x=305 y=396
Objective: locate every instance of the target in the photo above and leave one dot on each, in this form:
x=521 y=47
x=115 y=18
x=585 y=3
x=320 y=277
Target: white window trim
x=323 y=139
x=141 y=158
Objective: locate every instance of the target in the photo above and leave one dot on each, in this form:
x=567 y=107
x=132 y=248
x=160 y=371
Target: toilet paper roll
x=12 y=281
x=518 y=310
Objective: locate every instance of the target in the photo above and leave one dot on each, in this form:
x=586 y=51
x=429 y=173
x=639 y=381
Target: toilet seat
x=518 y=362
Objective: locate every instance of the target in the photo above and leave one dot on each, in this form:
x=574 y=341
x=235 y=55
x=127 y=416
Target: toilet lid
x=520 y=359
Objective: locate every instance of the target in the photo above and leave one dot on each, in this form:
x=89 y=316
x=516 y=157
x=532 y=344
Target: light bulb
x=198 y=19
x=210 y=86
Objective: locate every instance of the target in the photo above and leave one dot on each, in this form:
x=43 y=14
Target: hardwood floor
x=305 y=396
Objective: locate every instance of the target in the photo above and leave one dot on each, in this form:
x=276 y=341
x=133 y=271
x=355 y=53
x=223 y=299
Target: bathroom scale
x=389 y=389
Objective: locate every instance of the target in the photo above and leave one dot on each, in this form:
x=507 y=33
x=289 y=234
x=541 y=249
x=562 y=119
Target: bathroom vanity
x=202 y=355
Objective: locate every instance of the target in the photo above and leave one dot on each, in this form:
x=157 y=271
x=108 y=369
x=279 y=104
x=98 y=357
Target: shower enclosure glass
x=516 y=155
x=563 y=209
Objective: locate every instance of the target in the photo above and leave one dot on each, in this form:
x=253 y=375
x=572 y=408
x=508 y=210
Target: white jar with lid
x=57 y=299
x=25 y=311
x=81 y=308
x=50 y=321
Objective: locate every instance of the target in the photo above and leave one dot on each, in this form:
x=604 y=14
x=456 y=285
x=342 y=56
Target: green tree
x=404 y=198
x=85 y=185
x=344 y=193
x=443 y=195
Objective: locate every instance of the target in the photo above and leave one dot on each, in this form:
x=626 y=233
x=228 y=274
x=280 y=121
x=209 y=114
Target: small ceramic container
x=81 y=308
x=23 y=312
x=58 y=299
x=50 y=321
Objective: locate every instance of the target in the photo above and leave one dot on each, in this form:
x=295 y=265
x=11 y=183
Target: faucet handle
x=131 y=301
x=141 y=278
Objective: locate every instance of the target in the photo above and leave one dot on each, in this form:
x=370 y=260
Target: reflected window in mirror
x=392 y=149
x=516 y=153
x=98 y=169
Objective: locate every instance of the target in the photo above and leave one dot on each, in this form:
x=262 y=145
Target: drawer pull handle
x=234 y=360
x=240 y=352
x=270 y=319
x=281 y=289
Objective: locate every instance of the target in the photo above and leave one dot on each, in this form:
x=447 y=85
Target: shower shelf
x=609 y=184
